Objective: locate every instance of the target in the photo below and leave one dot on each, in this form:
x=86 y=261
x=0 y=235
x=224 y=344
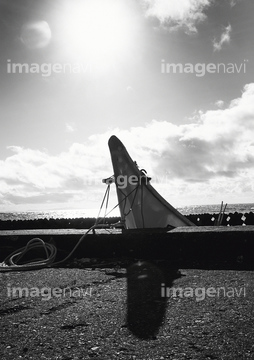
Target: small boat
x=141 y=206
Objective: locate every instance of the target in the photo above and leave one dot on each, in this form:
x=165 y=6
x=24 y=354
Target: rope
x=126 y=196
x=10 y=263
x=107 y=200
x=106 y=195
x=142 y=195
x=36 y=243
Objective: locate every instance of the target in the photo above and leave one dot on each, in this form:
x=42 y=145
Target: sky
x=173 y=80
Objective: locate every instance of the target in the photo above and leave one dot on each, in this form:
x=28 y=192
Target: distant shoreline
x=86 y=213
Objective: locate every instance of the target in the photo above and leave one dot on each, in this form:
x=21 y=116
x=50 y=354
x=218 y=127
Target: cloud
x=219 y=103
x=233 y=2
x=129 y=89
x=69 y=128
x=209 y=157
x=32 y=176
x=224 y=39
x=176 y=14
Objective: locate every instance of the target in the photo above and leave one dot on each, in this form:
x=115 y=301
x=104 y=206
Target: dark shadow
x=146 y=305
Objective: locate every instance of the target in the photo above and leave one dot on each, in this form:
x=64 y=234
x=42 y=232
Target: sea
x=84 y=213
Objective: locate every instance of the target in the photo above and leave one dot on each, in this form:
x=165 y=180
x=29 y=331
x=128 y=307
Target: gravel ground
x=118 y=313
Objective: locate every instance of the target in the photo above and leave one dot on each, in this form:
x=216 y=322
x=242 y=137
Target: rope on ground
x=11 y=262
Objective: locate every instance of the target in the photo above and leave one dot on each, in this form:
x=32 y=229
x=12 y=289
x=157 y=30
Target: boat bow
x=141 y=206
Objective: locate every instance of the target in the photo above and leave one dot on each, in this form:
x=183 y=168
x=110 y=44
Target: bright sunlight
x=101 y=31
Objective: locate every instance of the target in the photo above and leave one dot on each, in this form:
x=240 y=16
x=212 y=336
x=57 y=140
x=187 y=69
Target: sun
x=101 y=31
x=35 y=34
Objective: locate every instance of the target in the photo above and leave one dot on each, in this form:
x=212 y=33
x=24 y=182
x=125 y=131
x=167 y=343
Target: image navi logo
x=200 y=293
x=46 y=293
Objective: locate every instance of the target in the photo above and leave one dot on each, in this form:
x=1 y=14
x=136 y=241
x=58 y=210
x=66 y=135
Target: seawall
x=231 y=219
x=191 y=247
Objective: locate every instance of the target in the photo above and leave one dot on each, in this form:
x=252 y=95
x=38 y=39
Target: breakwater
x=211 y=247
x=229 y=219
x=78 y=223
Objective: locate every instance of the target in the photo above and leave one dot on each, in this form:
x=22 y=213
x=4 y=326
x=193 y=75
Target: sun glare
x=100 y=31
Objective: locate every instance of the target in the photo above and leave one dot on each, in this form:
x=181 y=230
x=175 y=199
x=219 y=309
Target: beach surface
x=117 y=312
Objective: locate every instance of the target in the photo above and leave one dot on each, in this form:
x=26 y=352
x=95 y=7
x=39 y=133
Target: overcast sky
x=172 y=79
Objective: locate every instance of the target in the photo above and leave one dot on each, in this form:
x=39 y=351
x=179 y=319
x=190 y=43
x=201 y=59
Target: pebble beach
x=101 y=323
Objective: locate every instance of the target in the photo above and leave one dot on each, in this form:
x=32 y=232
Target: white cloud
x=176 y=14
x=233 y=2
x=219 y=103
x=129 y=89
x=224 y=39
x=209 y=159
x=69 y=128
x=30 y=176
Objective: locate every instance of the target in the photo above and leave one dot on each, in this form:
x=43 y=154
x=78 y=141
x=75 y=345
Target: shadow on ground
x=146 y=307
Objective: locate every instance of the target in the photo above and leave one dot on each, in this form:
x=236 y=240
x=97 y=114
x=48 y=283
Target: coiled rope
x=11 y=262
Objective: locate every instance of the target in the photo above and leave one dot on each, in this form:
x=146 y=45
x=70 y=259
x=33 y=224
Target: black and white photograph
x=126 y=179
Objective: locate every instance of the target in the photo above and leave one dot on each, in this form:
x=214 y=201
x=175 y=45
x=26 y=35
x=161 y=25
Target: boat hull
x=141 y=206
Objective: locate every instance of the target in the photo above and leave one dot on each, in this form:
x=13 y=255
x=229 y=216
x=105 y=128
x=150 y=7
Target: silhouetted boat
x=141 y=206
